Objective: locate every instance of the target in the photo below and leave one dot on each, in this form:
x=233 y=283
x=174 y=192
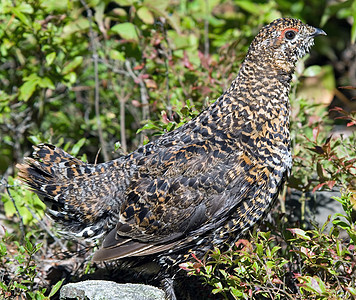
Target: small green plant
x=18 y=270
x=287 y=264
x=252 y=267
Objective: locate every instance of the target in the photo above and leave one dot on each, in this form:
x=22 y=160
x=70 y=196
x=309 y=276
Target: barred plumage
x=200 y=185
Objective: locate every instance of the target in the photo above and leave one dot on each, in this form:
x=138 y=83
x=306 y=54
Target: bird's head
x=283 y=42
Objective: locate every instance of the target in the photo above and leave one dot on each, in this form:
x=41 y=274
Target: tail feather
x=80 y=196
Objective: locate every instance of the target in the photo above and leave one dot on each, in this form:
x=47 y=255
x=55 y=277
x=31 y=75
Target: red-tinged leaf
x=186 y=62
x=318 y=186
x=327 y=142
x=331 y=184
x=320 y=171
x=151 y=84
x=304 y=251
x=165 y=117
x=351 y=123
x=184 y=266
x=244 y=242
x=336 y=108
x=277 y=280
x=136 y=103
x=348 y=87
x=317 y=149
x=205 y=60
x=139 y=67
x=195 y=257
x=315 y=133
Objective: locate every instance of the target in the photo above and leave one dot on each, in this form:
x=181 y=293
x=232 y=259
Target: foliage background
x=110 y=75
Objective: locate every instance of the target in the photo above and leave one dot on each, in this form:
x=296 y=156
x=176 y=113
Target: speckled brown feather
x=200 y=185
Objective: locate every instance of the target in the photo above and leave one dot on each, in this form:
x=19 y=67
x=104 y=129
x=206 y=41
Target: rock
x=109 y=290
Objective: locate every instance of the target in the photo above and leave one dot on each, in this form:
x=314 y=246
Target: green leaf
x=249 y=6
x=71 y=77
x=55 y=288
x=46 y=83
x=158 y=5
x=9 y=207
x=124 y=2
x=160 y=8
x=28 y=88
x=299 y=233
x=147 y=126
x=35 y=140
x=77 y=146
x=22 y=17
x=145 y=15
x=50 y=58
x=341 y=224
x=25 y=7
x=126 y=30
x=72 y=65
x=312 y=71
x=117 y=55
x=351 y=290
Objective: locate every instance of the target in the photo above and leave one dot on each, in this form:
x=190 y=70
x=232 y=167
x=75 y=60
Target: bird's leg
x=168 y=287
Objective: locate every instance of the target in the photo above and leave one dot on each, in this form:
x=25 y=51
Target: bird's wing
x=200 y=191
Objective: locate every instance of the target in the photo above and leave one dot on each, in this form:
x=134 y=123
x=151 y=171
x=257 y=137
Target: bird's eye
x=290 y=34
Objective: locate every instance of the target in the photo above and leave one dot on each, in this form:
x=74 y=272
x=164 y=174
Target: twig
x=96 y=156
x=206 y=29
x=166 y=53
x=22 y=228
x=143 y=92
x=122 y=124
x=133 y=111
x=43 y=226
x=96 y=74
x=113 y=68
x=122 y=98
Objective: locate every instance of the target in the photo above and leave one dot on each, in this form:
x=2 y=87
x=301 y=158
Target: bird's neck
x=263 y=88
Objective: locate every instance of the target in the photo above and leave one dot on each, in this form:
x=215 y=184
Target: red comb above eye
x=288 y=29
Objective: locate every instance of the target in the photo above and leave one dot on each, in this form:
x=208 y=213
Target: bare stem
x=143 y=92
x=206 y=29
x=22 y=228
x=96 y=75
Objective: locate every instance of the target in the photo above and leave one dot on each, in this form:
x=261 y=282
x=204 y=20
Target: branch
x=22 y=228
x=96 y=74
x=143 y=92
x=206 y=29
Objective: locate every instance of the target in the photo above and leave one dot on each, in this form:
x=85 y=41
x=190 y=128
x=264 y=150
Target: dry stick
x=96 y=74
x=122 y=100
x=122 y=125
x=45 y=227
x=166 y=53
x=22 y=228
x=116 y=70
x=206 y=30
x=143 y=92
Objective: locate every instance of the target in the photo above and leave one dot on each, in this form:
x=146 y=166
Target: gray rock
x=109 y=290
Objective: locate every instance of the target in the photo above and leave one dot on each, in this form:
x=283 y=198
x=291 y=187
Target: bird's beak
x=317 y=32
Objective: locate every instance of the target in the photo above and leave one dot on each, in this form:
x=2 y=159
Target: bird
x=199 y=186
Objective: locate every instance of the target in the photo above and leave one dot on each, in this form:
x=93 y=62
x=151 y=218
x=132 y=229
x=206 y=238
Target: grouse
x=196 y=187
